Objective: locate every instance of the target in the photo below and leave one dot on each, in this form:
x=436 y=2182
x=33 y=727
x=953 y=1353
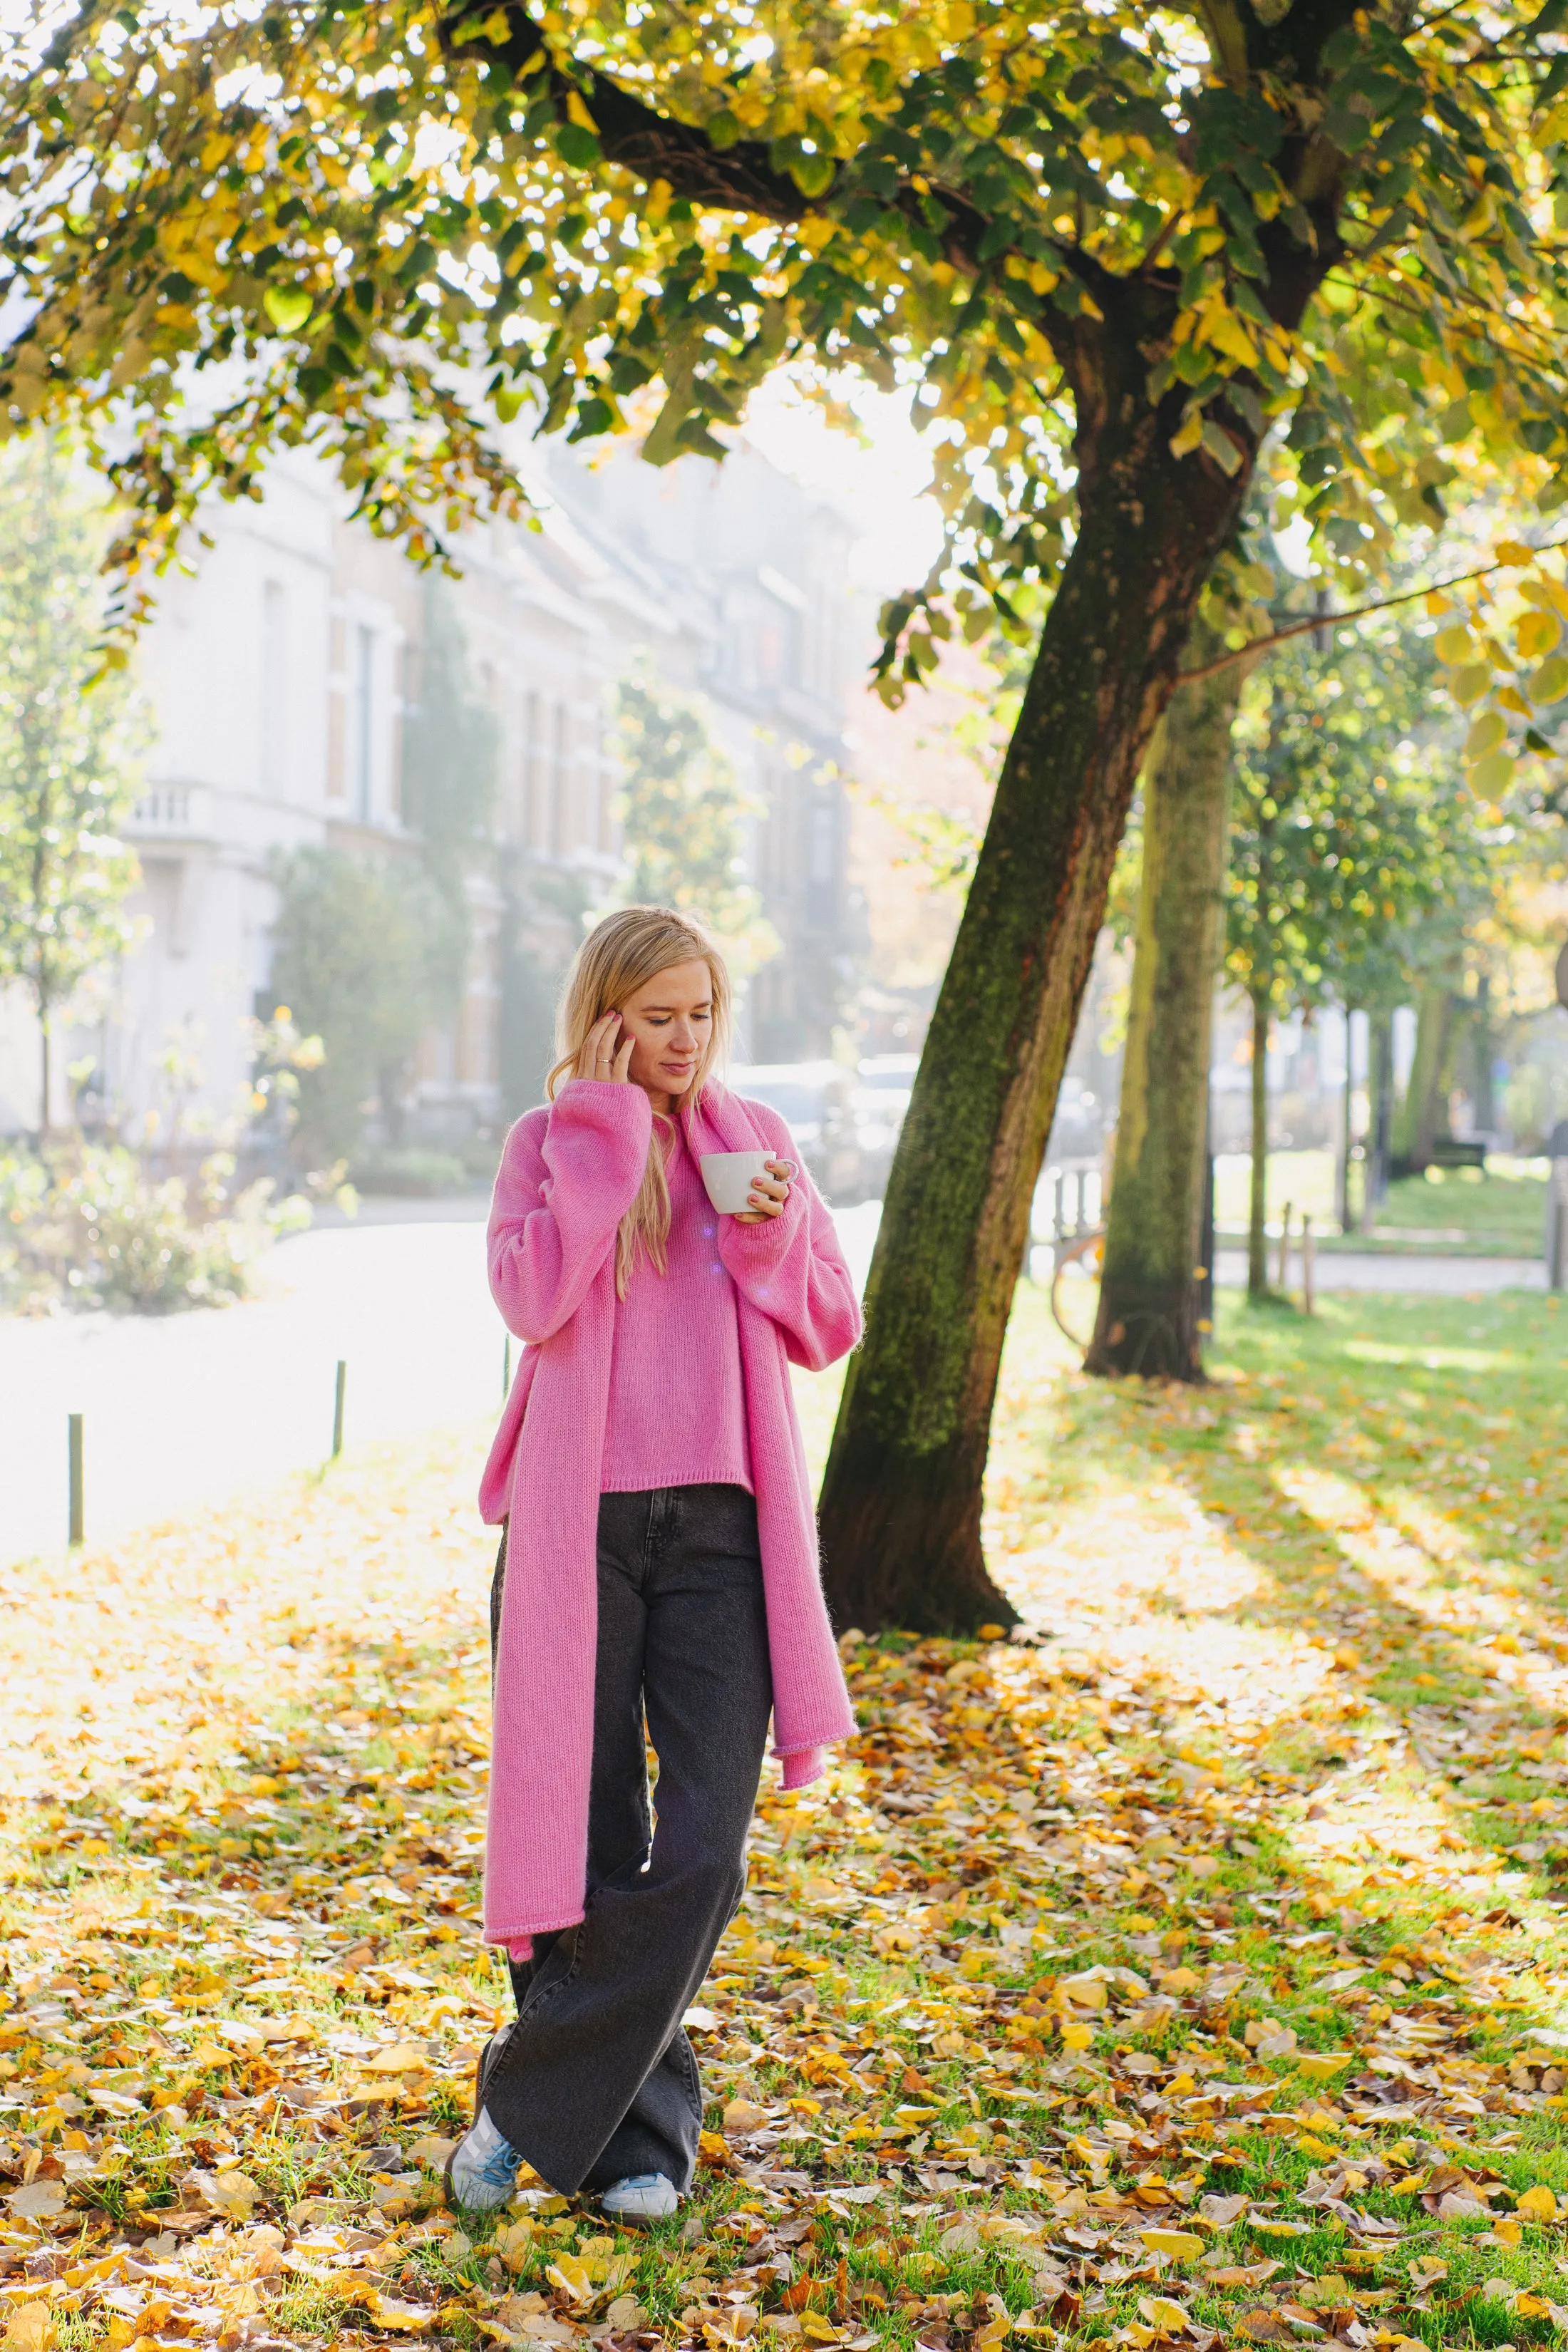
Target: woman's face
x=670 y=1021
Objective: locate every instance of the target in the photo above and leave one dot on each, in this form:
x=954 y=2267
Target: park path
x=185 y=1411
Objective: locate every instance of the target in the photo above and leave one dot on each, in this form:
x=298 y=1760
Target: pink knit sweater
x=567 y=1177
x=678 y=1402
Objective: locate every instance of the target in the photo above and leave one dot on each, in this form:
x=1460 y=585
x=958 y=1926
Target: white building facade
x=281 y=670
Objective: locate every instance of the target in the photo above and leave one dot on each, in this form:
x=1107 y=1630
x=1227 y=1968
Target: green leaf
x=1488 y=731
x=1217 y=442
x=813 y=175
x=576 y=147
x=287 y=307
x=1550 y=682
x=1491 y=777
x=1469 y=685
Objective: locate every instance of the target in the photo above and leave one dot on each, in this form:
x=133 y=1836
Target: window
x=337 y=714
x=365 y=713
x=274 y=688
x=559 y=781
x=532 y=766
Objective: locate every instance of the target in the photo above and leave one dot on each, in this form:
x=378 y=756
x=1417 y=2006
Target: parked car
x=818 y=1101
x=881 y=1099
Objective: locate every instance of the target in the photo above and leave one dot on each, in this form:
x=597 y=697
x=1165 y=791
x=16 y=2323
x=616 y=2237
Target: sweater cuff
x=804 y=1765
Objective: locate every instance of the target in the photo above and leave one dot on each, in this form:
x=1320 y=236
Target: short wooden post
x=338 y=1409
x=1284 y=1273
x=73 y=1448
x=506 y=1369
x=1309 y=1266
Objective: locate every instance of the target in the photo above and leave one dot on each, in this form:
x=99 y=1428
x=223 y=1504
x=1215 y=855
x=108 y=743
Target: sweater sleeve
x=565 y=1182
x=791 y=1266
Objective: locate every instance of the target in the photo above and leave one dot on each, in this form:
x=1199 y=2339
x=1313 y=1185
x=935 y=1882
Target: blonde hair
x=619 y=956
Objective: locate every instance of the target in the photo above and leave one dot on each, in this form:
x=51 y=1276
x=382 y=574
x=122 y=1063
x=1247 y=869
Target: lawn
x=1186 y=1971
x=1451 y=1211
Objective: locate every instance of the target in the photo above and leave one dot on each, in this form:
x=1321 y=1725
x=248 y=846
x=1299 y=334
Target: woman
x=659 y=1557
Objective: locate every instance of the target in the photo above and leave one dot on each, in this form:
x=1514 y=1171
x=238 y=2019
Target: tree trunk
x=1257 y=1207
x=1148 y=1297
x=902 y=1499
x=46 y=1075
x=1380 y=1136
x=1420 y=1114
x=1347 y=1141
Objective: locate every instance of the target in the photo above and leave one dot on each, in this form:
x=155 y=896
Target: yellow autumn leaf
x=579 y=113
x=1077 y=2036
x=1537 y=2204
x=571 y=2275
x=1319 y=2063
x=31 y=2328
x=1182 y=2245
x=1539 y=632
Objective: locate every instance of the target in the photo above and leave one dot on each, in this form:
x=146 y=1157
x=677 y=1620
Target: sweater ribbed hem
x=708 y=1475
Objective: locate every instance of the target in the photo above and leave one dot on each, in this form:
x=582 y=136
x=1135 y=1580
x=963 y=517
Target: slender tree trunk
x=1347 y=1212
x=1257 y=1207
x=45 y=1075
x=1380 y=1138
x=1148 y=1295
x=1483 y=1108
x=1417 y=1125
x=901 y=1501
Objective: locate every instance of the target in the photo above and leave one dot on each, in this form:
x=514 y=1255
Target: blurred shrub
x=87 y=1228
x=409 y=1170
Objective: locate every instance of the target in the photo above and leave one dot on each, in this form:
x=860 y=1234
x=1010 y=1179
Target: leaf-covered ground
x=1189 y=1971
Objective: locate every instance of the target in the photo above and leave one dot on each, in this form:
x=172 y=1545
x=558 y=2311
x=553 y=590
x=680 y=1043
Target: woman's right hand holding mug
x=604 y=1054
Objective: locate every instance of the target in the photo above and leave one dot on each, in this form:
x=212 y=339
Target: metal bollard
x=338 y=1409
x=1309 y=1266
x=73 y=1451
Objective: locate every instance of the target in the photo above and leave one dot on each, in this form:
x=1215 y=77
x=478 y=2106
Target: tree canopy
x=374 y=230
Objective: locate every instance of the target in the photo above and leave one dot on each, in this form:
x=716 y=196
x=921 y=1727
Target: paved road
x=184 y=1411
x=1373 y=1270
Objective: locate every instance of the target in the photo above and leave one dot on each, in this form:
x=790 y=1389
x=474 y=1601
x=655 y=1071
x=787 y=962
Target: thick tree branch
x=1357 y=613
x=739 y=178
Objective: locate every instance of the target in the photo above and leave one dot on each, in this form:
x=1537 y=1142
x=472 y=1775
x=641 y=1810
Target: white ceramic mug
x=730 y=1176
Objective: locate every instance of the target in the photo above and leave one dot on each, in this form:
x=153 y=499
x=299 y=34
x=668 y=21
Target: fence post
x=506 y=1369
x=73 y=1450
x=1556 y=1236
x=1309 y=1266
x=1284 y=1272
x=338 y=1408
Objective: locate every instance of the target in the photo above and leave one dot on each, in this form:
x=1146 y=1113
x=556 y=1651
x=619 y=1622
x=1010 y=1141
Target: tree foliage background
x=68 y=748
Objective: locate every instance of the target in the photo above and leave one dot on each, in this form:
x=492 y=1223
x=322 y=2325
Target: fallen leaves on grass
x=1053 y=2010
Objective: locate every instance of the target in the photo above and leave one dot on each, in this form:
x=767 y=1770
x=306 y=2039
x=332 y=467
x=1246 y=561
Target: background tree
x=67 y=763
x=1349 y=821
x=1148 y=1317
x=684 y=815
x=1108 y=247
x=360 y=959
x=451 y=756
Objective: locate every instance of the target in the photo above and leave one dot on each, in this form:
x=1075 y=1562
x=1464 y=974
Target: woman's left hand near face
x=768 y=1195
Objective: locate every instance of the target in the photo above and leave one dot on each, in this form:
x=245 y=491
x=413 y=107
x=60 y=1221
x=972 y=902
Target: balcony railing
x=172 y=813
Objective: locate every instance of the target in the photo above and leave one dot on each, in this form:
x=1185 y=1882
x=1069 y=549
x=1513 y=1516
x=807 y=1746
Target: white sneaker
x=641 y=2197
x=481 y=2171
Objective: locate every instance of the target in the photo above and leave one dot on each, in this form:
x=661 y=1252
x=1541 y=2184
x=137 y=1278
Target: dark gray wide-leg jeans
x=596 y=2078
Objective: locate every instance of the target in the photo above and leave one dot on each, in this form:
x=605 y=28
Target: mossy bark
x=1419 y=1116
x=1151 y=1284
x=1257 y=1204
x=901 y=1501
